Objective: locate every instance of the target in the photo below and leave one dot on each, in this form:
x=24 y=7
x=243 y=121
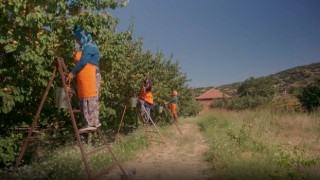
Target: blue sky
x=223 y=41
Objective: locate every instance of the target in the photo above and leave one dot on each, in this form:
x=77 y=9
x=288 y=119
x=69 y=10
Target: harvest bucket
x=60 y=98
x=133 y=102
x=160 y=109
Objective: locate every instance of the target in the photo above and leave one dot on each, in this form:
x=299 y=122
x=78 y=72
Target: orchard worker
x=173 y=105
x=88 y=75
x=146 y=100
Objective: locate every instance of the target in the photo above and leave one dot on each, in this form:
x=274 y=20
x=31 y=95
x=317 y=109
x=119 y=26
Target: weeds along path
x=183 y=159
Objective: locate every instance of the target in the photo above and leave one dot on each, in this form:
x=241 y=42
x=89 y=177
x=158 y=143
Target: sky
x=218 y=42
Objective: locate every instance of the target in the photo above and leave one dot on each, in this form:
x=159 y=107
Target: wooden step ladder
x=173 y=121
x=63 y=72
x=153 y=133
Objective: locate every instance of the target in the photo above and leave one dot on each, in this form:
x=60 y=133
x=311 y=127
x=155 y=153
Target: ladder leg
x=145 y=127
x=110 y=151
x=120 y=124
x=154 y=125
x=35 y=119
x=174 y=122
x=74 y=124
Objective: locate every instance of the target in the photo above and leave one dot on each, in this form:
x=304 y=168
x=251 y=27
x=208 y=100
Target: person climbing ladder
x=173 y=105
x=88 y=86
x=146 y=100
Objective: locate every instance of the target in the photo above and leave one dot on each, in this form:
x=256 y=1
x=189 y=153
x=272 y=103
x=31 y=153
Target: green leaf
x=10 y=47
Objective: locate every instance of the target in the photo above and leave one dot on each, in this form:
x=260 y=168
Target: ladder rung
x=157 y=141
x=76 y=110
x=152 y=131
x=103 y=171
x=82 y=131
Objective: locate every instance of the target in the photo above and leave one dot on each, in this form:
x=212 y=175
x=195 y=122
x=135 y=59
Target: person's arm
x=85 y=57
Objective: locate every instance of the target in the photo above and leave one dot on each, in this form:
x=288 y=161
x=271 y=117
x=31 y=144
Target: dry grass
x=288 y=130
x=264 y=144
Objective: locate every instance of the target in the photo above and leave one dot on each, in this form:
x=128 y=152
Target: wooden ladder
x=63 y=72
x=153 y=133
x=173 y=121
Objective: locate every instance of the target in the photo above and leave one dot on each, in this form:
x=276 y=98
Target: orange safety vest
x=148 y=97
x=86 y=79
x=173 y=108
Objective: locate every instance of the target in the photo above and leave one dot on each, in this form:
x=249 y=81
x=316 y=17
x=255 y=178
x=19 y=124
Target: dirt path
x=184 y=158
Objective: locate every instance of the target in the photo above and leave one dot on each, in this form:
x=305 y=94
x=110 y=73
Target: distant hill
x=283 y=81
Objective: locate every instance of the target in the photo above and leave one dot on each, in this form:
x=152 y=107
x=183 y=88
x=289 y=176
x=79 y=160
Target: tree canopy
x=262 y=86
x=310 y=96
x=34 y=33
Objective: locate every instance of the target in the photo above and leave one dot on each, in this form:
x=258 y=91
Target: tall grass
x=261 y=144
x=66 y=162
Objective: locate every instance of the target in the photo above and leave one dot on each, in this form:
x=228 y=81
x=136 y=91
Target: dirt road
x=183 y=159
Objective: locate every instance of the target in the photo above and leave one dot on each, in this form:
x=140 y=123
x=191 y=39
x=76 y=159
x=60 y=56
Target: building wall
x=205 y=103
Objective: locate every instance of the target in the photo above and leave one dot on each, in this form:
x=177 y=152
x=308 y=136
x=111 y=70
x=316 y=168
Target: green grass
x=242 y=145
x=67 y=161
x=262 y=145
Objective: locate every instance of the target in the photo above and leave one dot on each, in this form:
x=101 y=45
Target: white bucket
x=133 y=102
x=160 y=109
x=60 y=98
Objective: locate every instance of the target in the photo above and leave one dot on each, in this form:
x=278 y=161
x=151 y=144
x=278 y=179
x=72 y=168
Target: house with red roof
x=207 y=98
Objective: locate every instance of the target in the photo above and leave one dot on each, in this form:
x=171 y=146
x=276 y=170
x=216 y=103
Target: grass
x=242 y=145
x=67 y=161
x=262 y=144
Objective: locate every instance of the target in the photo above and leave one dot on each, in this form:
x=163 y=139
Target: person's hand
x=70 y=77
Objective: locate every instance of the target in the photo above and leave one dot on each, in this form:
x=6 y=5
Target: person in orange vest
x=146 y=100
x=86 y=68
x=173 y=105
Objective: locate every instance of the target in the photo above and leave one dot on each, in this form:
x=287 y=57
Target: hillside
x=283 y=80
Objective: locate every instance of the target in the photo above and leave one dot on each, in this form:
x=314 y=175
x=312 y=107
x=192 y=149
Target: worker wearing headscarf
x=87 y=71
x=146 y=100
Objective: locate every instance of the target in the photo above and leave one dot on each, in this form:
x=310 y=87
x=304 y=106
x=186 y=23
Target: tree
x=253 y=92
x=257 y=87
x=310 y=96
x=34 y=32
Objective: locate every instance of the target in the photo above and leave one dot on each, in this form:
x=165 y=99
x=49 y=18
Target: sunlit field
x=262 y=144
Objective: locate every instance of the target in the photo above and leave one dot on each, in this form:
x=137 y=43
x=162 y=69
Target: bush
x=8 y=147
x=247 y=102
x=241 y=103
x=220 y=103
x=310 y=96
x=252 y=93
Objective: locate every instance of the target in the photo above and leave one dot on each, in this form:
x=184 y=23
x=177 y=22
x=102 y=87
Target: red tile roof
x=212 y=94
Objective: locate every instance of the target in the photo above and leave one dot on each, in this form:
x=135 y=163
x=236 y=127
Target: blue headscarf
x=84 y=37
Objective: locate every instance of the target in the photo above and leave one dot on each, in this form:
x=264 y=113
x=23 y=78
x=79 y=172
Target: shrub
x=8 y=147
x=310 y=96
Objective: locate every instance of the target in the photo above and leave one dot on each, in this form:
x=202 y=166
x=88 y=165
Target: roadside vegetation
x=35 y=33
x=66 y=161
x=260 y=132
x=262 y=144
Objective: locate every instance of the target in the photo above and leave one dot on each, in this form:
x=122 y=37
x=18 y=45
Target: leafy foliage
x=34 y=33
x=252 y=93
x=310 y=96
x=8 y=147
x=256 y=87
